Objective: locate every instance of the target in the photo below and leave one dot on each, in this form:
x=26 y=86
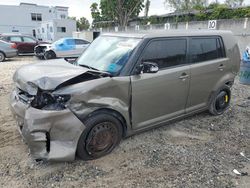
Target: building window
x=61 y=29
x=51 y=29
x=36 y=17
x=63 y=16
x=42 y=30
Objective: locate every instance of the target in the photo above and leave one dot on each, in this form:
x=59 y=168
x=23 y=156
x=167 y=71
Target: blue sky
x=79 y=8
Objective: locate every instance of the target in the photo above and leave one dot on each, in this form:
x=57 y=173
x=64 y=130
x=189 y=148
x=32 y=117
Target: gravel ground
x=200 y=151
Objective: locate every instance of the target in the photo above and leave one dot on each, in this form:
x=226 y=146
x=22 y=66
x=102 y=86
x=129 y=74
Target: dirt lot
x=200 y=151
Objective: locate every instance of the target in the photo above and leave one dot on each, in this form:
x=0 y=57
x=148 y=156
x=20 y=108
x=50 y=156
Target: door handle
x=184 y=76
x=221 y=67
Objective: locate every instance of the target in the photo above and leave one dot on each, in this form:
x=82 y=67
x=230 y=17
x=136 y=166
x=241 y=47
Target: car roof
x=15 y=35
x=169 y=33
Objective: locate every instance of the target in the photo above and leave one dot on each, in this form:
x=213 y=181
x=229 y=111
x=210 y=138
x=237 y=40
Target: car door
x=81 y=45
x=208 y=66
x=161 y=96
x=29 y=44
x=18 y=41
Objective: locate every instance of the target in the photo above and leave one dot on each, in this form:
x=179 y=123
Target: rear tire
x=220 y=101
x=102 y=134
x=49 y=55
x=2 y=56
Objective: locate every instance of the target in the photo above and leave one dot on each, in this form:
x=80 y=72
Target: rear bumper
x=50 y=135
x=10 y=54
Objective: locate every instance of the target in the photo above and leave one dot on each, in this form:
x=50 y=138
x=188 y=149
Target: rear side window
x=28 y=40
x=205 y=49
x=166 y=53
x=15 y=39
x=81 y=42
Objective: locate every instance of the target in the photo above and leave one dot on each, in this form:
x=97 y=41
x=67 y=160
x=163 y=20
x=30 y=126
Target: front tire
x=49 y=55
x=220 y=101
x=102 y=134
x=2 y=56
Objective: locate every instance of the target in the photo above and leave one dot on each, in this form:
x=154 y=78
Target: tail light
x=14 y=45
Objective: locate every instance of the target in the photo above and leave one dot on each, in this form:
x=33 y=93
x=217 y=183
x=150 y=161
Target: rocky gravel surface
x=200 y=151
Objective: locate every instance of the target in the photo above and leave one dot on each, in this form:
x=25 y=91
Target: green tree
x=147 y=5
x=72 y=18
x=82 y=24
x=120 y=10
x=234 y=3
x=95 y=12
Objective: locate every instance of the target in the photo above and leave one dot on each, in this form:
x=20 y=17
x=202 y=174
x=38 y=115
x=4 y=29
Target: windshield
x=108 y=54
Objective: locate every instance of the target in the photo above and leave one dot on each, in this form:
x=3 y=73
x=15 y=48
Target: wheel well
x=114 y=113
x=51 y=51
x=3 y=53
x=229 y=83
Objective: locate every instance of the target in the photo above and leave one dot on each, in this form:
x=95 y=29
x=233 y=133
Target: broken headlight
x=47 y=101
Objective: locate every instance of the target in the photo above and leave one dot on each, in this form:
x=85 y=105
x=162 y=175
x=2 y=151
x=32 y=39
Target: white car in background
x=65 y=47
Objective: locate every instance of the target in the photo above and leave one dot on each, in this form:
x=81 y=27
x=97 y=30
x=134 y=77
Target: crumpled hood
x=46 y=75
x=48 y=46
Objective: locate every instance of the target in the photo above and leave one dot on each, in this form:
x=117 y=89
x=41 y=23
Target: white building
x=55 y=29
x=44 y=22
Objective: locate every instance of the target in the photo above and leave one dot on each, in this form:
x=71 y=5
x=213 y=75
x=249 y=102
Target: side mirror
x=147 y=67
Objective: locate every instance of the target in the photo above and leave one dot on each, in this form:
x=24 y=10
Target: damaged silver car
x=122 y=84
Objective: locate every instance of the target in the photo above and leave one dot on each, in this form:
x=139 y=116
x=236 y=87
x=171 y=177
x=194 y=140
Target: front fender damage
x=50 y=135
x=106 y=93
x=53 y=133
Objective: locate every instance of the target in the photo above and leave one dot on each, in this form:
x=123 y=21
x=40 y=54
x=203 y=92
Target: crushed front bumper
x=50 y=135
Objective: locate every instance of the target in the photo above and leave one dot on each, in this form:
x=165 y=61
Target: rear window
x=205 y=49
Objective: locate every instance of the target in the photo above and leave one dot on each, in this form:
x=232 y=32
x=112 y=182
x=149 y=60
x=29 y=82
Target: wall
x=240 y=28
x=70 y=28
x=54 y=35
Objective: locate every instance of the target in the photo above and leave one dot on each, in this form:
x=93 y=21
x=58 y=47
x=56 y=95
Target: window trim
x=161 y=39
x=36 y=16
x=206 y=37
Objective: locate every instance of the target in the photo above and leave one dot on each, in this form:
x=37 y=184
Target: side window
x=166 y=53
x=15 y=39
x=70 y=42
x=205 y=49
x=81 y=42
x=28 y=40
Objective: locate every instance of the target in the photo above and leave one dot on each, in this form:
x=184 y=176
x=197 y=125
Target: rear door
x=208 y=66
x=81 y=45
x=161 y=96
x=18 y=41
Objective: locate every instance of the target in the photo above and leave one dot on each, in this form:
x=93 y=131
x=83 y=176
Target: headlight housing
x=47 y=101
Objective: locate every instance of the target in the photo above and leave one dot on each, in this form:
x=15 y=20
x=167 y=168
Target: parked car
x=121 y=85
x=25 y=44
x=7 y=50
x=65 y=47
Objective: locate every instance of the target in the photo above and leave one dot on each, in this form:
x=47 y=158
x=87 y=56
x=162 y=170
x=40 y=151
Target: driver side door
x=158 y=97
